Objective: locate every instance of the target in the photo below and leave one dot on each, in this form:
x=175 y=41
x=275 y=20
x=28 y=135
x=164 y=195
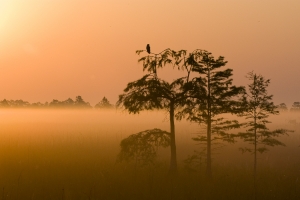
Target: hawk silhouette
x=148 y=48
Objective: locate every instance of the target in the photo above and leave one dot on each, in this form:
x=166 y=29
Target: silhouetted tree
x=142 y=147
x=14 y=103
x=80 y=103
x=151 y=92
x=4 y=103
x=104 y=103
x=295 y=107
x=68 y=103
x=19 y=103
x=55 y=103
x=79 y=100
x=37 y=105
x=212 y=95
x=258 y=105
x=282 y=107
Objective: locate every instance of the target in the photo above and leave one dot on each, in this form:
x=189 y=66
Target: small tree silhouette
x=257 y=106
x=282 y=107
x=104 y=103
x=68 y=103
x=80 y=103
x=295 y=107
x=4 y=103
x=142 y=147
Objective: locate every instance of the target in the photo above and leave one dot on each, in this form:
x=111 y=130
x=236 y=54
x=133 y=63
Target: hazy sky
x=56 y=49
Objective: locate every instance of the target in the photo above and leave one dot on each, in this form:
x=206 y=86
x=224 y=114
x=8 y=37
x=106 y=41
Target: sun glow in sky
x=60 y=49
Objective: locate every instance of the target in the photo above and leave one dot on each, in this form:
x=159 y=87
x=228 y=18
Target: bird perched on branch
x=148 y=48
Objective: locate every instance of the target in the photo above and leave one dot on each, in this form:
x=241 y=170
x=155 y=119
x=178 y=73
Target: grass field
x=58 y=154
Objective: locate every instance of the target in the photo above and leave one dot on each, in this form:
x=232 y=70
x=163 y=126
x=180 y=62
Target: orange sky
x=56 y=49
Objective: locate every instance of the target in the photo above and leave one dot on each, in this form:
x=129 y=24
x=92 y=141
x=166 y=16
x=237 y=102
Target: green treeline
x=68 y=103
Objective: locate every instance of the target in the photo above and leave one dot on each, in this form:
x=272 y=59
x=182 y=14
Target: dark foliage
x=68 y=103
x=104 y=104
x=282 y=107
x=150 y=92
x=142 y=147
x=295 y=107
x=258 y=105
x=211 y=94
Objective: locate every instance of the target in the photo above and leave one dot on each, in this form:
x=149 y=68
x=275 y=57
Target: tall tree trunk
x=208 y=156
x=173 y=164
x=255 y=151
x=255 y=158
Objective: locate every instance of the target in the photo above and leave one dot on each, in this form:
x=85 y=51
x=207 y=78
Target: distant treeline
x=104 y=103
x=68 y=103
x=295 y=107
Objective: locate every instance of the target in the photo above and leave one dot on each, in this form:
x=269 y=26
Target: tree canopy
x=151 y=92
x=212 y=94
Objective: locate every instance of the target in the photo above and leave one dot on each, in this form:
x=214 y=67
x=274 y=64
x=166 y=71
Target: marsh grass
x=73 y=156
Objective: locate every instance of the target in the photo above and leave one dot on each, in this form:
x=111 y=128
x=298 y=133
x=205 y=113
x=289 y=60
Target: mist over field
x=72 y=154
x=72 y=71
